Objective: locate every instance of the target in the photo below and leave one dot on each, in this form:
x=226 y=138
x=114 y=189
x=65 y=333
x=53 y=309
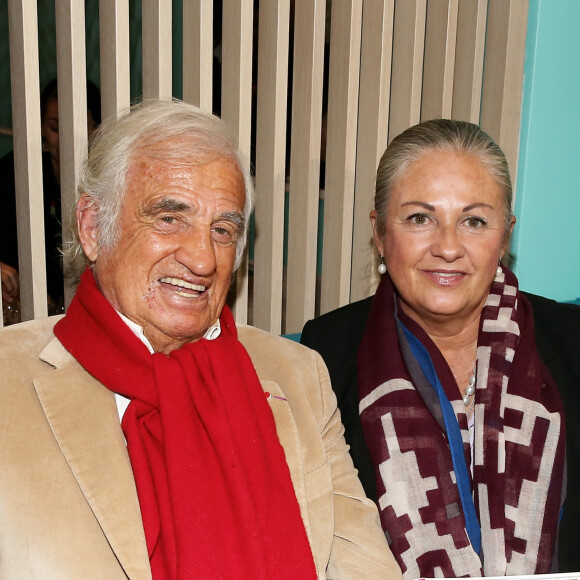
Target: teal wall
x=546 y=240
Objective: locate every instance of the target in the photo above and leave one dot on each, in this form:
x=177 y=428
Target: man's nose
x=196 y=252
x=447 y=243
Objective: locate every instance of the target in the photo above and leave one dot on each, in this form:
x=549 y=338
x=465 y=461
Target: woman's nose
x=447 y=244
x=196 y=252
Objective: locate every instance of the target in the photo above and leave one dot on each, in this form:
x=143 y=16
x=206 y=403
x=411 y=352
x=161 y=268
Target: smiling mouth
x=446 y=278
x=184 y=288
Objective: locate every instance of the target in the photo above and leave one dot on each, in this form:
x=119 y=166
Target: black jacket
x=337 y=335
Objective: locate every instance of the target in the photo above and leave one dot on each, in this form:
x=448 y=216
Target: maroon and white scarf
x=519 y=449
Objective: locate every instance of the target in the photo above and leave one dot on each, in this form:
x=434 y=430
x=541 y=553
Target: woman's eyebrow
x=426 y=206
x=476 y=206
x=466 y=209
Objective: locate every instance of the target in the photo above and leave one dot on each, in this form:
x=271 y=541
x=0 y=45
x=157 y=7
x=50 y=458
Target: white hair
x=171 y=131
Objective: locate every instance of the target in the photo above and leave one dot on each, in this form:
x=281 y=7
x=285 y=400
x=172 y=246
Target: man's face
x=171 y=268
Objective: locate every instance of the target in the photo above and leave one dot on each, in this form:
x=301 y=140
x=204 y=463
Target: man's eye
x=223 y=236
x=169 y=223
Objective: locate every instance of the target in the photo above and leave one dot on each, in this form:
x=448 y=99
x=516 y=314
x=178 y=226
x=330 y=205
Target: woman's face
x=445 y=233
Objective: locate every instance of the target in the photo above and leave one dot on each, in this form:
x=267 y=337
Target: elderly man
x=144 y=434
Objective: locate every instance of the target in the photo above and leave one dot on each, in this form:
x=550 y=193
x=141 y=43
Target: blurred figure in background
x=10 y=283
x=52 y=204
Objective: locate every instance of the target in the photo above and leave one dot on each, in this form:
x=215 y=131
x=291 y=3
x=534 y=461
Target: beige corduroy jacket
x=68 y=504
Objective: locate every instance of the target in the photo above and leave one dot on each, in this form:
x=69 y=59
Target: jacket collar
x=83 y=417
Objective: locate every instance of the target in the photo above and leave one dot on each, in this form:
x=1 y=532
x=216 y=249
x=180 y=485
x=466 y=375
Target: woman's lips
x=445 y=278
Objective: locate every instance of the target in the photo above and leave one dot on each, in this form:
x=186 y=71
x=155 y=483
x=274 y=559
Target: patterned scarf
x=519 y=467
x=214 y=488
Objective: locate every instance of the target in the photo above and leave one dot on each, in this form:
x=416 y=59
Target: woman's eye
x=475 y=222
x=168 y=219
x=418 y=219
x=223 y=236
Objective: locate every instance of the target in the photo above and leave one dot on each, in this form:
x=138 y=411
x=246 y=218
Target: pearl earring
x=499 y=270
x=382 y=268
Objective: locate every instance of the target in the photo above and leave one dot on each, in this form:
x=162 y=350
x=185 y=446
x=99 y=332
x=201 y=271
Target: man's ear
x=86 y=213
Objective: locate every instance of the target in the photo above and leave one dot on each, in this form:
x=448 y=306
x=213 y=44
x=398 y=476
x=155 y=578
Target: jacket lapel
x=288 y=436
x=290 y=440
x=83 y=416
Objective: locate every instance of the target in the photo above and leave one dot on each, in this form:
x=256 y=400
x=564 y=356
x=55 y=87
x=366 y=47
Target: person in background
x=51 y=193
x=10 y=283
x=450 y=380
x=148 y=434
x=10 y=294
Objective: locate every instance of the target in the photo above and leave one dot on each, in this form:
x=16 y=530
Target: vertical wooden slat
x=198 y=53
x=407 y=68
x=114 y=49
x=72 y=105
x=469 y=55
x=157 y=49
x=439 y=62
x=271 y=163
x=305 y=161
x=503 y=75
x=417 y=34
x=237 y=39
x=345 y=43
x=23 y=28
x=373 y=114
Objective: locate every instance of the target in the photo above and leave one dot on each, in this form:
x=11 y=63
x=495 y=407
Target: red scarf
x=518 y=443
x=214 y=488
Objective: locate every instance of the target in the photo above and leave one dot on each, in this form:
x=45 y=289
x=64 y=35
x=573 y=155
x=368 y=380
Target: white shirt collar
x=210 y=334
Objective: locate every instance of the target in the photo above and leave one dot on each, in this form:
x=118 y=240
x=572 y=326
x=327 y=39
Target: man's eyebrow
x=168 y=204
x=173 y=205
x=234 y=217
